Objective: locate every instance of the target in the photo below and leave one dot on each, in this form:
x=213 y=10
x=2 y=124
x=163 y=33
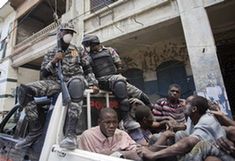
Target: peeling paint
x=215 y=92
x=150 y=58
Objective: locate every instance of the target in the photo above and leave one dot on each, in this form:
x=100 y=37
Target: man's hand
x=136 y=101
x=58 y=56
x=173 y=125
x=217 y=112
x=214 y=106
x=230 y=131
x=182 y=102
x=144 y=152
x=95 y=89
x=226 y=145
x=131 y=155
x=168 y=134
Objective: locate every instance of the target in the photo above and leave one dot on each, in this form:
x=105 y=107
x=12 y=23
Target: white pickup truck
x=15 y=126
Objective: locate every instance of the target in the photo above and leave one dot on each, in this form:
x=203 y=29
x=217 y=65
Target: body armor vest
x=103 y=64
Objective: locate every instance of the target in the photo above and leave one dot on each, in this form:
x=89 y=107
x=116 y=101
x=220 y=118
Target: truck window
x=10 y=125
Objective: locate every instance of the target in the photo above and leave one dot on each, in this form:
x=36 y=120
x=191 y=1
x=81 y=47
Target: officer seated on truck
x=74 y=68
x=107 y=67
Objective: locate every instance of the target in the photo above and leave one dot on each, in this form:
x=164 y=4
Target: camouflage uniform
x=73 y=65
x=131 y=90
x=106 y=65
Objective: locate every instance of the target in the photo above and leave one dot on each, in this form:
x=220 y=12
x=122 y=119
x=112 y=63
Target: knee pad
x=76 y=89
x=119 y=89
x=124 y=105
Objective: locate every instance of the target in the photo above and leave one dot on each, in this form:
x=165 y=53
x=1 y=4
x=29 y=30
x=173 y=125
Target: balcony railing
x=40 y=35
x=98 y=4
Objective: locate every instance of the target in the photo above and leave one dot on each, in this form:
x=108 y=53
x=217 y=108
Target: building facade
x=189 y=42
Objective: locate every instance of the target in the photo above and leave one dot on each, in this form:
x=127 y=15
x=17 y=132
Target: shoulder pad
x=110 y=49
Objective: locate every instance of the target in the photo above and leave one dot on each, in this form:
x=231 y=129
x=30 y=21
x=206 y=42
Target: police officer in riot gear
x=106 y=65
x=74 y=64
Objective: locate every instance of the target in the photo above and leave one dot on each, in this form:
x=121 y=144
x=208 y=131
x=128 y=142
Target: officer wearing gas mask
x=77 y=74
x=106 y=65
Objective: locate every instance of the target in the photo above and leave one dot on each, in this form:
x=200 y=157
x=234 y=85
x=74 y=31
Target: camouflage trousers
x=50 y=88
x=107 y=82
x=206 y=148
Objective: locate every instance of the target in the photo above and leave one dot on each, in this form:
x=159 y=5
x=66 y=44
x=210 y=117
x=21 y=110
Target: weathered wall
x=202 y=52
x=148 y=59
x=8 y=81
x=117 y=20
x=8 y=76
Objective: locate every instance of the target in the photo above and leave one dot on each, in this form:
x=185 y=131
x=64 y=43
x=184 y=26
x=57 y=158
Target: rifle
x=65 y=92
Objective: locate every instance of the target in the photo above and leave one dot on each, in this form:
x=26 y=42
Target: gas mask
x=67 y=38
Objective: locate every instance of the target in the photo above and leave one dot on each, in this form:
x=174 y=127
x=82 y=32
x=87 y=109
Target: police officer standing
x=74 y=64
x=106 y=65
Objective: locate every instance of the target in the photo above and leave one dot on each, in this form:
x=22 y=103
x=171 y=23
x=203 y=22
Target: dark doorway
x=135 y=77
x=174 y=72
x=226 y=56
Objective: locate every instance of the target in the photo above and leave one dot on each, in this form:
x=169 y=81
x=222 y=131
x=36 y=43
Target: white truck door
x=58 y=154
x=51 y=150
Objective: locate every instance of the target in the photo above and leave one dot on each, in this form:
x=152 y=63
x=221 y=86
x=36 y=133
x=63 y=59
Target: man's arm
x=48 y=66
x=226 y=145
x=222 y=118
x=88 y=71
x=181 y=147
x=131 y=155
x=175 y=126
x=162 y=141
x=116 y=59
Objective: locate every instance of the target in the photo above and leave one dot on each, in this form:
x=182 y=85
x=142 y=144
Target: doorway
x=226 y=56
x=174 y=72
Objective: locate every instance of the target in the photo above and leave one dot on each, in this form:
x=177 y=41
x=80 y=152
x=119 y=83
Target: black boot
x=124 y=109
x=127 y=122
x=70 y=140
x=35 y=130
x=25 y=95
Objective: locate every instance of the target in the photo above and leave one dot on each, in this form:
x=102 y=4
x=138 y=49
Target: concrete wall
x=149 y=58
x=8 y=77
x=202 y=52
x=26 y=75
x=118 y=21
x=8 y=81
x=6 y=27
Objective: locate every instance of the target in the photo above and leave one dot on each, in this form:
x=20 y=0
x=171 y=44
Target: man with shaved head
x=107 y=139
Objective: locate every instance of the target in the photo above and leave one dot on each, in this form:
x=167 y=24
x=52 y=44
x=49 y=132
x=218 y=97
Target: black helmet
x=89 y=40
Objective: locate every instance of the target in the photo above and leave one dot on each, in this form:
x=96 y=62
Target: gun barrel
x=65 y=92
